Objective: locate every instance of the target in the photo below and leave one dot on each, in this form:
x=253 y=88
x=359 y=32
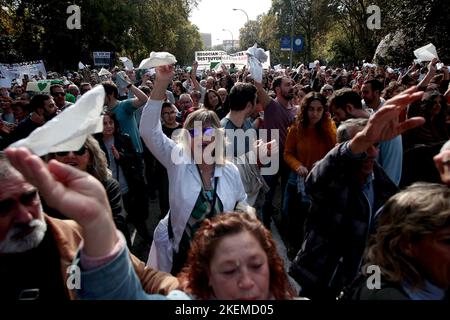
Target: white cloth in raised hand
x=426 y=53
x=256 y=56
x=68 y=130
x=158 y=59
x=104 y=72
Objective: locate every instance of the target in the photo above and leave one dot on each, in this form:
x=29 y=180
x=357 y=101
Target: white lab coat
x=184 y=186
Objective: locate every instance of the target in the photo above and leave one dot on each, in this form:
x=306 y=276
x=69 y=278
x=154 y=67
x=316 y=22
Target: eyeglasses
x=207 y=131
x=56 y=94
x=25 y=199
x=79 y=152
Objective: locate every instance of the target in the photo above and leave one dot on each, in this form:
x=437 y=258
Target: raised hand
x=164 y=75
x=432 y=66
x=74 y=193
x=384 y=124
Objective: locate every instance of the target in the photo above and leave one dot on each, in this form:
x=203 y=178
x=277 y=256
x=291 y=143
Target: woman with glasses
x=201 y=183
x=91 y=159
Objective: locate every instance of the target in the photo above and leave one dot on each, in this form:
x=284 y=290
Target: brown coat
x=67 y=234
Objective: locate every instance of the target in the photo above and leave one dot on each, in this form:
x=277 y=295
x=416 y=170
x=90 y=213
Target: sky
x=212 y=16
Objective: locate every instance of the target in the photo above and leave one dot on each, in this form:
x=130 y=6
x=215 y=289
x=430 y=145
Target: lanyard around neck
x=213 y=202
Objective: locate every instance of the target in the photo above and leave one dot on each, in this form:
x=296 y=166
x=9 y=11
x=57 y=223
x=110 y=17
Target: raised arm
x=384 y=124
x=263 y=97
x=195 y=83
x=430 y=74
x=141 y=97
x=150 y=127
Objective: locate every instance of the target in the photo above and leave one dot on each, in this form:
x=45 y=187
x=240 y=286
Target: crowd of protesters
x=361 y=169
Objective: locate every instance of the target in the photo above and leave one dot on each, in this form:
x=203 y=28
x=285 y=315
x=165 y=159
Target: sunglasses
x=56 y=94
x=25 y=199
x=79 y=152
x=196 y=132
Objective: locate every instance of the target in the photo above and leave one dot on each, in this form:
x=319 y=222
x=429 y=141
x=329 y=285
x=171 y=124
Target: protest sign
x=102 y=58
x=42 y=86
x=204 y=58
x=209 y=59
x=18 y=70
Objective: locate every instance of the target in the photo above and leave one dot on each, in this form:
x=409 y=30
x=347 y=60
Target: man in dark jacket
x=36 y=251
x=44 y=109
x=347 y=188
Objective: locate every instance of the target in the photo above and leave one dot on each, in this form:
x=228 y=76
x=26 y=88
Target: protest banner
x=102 y=58
x=206 y=59
x=18 y=70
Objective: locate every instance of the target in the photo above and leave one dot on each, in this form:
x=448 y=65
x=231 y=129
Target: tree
x=249 y=34
x=133 y=28
x=420 y=23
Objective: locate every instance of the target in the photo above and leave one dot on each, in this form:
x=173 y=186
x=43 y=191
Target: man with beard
x=279 y=114
x=36 y=251
x=43 y=109
x=346 y=104
x=347 y=189
x=391 y=152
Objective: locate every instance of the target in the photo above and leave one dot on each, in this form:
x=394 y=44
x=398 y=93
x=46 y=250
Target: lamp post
x=235 y=9
x=292 y=35
x=232 y=40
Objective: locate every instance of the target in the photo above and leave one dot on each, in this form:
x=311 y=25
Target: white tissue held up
x=127 y=63
x=157 y=59
x=258 y=53
x=68 y=130
x=104 y=72
x=256 y=56
x=426 y=53
x=121 y=81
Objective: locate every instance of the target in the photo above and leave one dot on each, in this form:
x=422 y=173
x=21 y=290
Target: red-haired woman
x=233 y=257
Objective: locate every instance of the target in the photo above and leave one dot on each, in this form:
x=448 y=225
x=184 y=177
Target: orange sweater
x=307 y=147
